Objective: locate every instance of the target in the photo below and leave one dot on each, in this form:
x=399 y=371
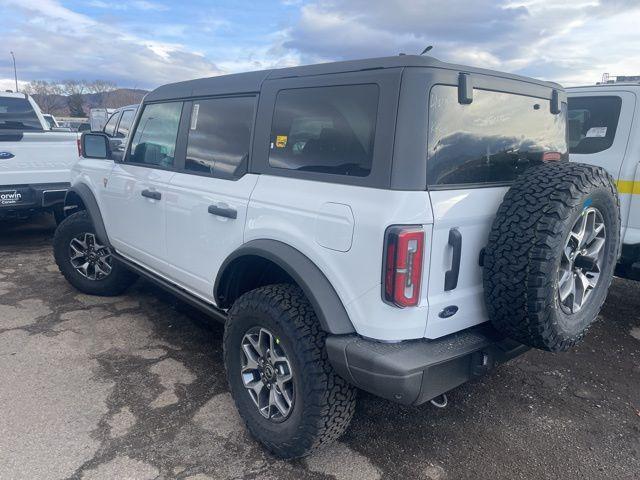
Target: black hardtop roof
x=251 y=82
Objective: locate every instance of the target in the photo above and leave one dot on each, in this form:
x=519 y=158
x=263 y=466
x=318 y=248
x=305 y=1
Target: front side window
x=219 y=136
x=154 y=140
x=592 y=123
x=325 y=129
x=18 y=114
x=492 y=140
x=110 y=127
x=125 y=123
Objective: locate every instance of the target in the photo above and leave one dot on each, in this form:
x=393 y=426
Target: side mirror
x=95 y=145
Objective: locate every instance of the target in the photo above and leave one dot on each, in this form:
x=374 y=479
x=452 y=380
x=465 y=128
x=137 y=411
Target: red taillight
x=79 y=142
x=404 y=247
x=551 y=156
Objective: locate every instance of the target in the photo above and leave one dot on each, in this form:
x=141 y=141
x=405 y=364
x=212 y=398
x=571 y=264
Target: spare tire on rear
x=551 y=254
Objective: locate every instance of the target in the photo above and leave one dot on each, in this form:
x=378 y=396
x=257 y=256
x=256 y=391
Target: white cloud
x=572 y=42
x=55 y=43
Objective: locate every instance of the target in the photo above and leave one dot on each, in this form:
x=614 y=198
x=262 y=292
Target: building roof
x=251 y=82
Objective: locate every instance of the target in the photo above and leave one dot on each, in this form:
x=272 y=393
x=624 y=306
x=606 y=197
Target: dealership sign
x=10 y=197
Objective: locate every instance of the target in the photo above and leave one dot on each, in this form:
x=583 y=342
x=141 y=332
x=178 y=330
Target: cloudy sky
x=145 y=43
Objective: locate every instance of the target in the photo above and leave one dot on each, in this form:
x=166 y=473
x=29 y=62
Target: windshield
x=18 y=114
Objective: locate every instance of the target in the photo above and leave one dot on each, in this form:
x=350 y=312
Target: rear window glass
x=219 y=136
x=18 y=114
x=492 y=140
x=593 y=122
x=325 y=129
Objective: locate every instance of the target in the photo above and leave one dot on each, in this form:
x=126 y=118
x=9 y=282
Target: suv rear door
x=207 y=198
x=475 y=151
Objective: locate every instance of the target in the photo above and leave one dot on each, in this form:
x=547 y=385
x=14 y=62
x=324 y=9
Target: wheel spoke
x=566 y=286
x=595 y=247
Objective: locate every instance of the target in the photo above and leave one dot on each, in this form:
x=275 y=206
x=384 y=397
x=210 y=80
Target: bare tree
x=101 y=86
x=74 y=90
x=48 y=95
x=103 y=90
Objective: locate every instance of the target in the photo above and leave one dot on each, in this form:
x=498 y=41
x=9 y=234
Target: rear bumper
x=415 y=371
x=21 y=199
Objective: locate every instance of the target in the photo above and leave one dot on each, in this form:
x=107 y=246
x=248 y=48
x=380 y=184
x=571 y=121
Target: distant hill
x=58 y=104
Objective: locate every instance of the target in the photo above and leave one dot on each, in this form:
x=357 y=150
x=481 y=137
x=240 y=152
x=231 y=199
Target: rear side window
x=492 y=140
x=325 y=129
x=219 y=136
x=154 y=140
x=125 y=123
x=593 y=122
x=18 y=114
x=110 y=127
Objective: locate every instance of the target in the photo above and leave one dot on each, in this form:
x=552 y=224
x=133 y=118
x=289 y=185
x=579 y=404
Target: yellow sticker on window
x=281 y=141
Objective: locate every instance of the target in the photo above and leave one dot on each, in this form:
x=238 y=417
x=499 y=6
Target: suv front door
x=135 y=191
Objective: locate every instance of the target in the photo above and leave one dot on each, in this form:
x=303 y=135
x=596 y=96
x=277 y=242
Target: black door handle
x=451 y=276
x=221 y=211
x=151 y=194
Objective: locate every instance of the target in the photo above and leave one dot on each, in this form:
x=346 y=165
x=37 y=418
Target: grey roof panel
x=221 y=85
x=252 y=81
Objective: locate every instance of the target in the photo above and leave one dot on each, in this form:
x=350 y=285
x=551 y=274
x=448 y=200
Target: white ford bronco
x=603 y=130
x=35 y=161
x=397 y=225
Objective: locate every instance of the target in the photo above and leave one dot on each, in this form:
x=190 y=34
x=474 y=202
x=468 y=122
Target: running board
x=182 y=294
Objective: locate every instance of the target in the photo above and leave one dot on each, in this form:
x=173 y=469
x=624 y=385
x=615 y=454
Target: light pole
x=15 y=72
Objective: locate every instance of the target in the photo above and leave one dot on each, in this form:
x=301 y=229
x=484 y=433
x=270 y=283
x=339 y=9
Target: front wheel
x=284 y=387
x=85 y=262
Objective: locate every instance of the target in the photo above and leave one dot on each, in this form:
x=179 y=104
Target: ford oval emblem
x=449 y=311
x=6 y=155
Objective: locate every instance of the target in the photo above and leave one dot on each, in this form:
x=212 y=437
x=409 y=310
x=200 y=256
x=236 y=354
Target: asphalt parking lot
x=133 y=387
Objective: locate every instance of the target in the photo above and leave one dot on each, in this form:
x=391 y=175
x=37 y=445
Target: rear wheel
x=85 y=262
x=551 y=254
x=280 y=377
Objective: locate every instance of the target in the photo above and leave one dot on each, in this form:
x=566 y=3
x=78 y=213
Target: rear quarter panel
x=299 y=212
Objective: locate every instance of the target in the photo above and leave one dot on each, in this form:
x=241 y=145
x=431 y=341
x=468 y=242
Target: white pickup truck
x=603 y=130
x=35 y=160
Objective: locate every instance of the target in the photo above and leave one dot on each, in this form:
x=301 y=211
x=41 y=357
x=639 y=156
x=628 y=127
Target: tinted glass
x=592 y=123
x=325 y=129
x=154 y=140
x=125 y=123
x=18 y=114
x=219 y=136
x=50 y=121
x=492 y=140
x=110 y=127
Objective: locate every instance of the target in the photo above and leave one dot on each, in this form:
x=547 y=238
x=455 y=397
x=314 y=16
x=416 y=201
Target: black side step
x=206 y=307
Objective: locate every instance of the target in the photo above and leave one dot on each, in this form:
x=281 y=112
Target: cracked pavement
x=133 y=387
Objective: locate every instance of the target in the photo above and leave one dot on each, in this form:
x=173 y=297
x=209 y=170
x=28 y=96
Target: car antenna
x=428 y=49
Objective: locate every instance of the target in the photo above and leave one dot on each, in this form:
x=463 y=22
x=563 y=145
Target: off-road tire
x=525 y=245
x=324 y=402
x=115 y=283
